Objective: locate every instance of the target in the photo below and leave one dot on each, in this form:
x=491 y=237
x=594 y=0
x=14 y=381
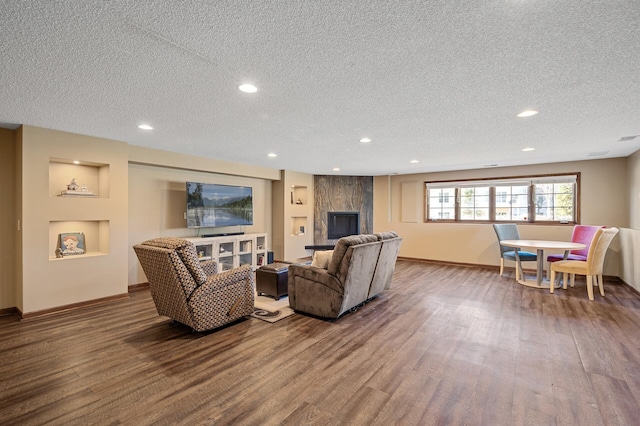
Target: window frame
x=494 y=182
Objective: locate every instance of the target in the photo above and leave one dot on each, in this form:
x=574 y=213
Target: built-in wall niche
x=93 y=176
x=298 y=195
x=96 y=237
x=299 y=225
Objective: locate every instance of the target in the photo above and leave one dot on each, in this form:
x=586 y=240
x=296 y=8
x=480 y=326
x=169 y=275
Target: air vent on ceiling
x=597 y=153
x=628 y=138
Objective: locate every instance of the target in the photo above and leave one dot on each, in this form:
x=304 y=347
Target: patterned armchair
x=192 y=292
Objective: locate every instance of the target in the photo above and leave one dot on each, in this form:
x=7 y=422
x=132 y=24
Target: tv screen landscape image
x=211 y=205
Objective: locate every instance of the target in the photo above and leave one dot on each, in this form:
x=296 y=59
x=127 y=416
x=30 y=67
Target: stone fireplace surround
x=341 y=194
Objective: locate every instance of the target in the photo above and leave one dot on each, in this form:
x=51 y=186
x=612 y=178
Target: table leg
x=538 y=283
x=540 y=265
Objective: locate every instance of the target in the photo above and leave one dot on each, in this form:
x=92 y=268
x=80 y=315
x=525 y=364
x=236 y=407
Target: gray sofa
x=361 y=267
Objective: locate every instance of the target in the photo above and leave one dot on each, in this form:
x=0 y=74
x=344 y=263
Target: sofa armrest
x=210 y=267
x=315 y=274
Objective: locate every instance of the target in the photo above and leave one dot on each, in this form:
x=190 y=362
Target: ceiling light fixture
x=365 y=140
x=527 y=113
x=76 y=162
x=145 y=127
x=248 y=88
x=336 y=169
x=272 y=155
x=528 y=149
x=414 y=161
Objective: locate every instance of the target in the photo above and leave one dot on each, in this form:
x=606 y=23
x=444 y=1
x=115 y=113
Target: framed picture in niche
x=71 y=244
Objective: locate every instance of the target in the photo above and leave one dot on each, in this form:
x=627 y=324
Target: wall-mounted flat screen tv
x=211 y=205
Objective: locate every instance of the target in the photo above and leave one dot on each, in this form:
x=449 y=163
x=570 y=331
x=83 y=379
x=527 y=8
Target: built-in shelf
x=299 y=195
x=94 y=177
x=100 y=219
x=288 y=241
x=299 y=225
x=96 y=237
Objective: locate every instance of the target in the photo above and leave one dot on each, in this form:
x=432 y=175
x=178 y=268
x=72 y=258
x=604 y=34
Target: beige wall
x=287 y=243
x=45 y=282
x=630 y=237
x=8 y=223
x=157 y=203
x=633 y=166
x=604 y=201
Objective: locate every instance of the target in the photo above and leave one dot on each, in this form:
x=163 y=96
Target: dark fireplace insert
x=342 y=224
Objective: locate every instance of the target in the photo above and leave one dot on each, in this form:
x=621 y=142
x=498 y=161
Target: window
x=554 y=202
x=542 y=199
x=443 y=201
x=514 y=205
x=474 y=203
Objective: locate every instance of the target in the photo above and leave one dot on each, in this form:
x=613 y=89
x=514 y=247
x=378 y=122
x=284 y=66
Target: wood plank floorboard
x=447 y=344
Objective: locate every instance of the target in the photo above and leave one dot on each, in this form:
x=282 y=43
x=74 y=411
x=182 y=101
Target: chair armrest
x=315 y=274
x=223 y=279
x=210 y=267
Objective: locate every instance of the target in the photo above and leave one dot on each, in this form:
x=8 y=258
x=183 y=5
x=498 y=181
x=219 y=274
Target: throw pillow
x=321 y=259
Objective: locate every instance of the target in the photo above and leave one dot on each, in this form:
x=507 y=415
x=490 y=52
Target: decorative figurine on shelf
x=74 y=189
x=73 y=186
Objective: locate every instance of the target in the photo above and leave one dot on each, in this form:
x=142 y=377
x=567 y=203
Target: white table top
x=543 y=244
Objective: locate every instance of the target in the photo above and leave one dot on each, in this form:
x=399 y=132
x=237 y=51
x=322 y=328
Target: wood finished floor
x=446 y=345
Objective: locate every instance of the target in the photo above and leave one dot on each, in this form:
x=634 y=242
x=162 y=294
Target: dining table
x=540 y=246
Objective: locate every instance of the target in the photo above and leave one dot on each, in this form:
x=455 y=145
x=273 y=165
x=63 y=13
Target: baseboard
x=8 y=311
x=632 y=288
x=58 y=309
x=15 y=311
x=446 y=262
x=138 y=287
x=497 y=268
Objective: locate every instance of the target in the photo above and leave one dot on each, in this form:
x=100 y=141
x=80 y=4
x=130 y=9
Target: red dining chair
x=581 y=234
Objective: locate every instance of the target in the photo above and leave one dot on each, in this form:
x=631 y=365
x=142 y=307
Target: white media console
x=231 y=251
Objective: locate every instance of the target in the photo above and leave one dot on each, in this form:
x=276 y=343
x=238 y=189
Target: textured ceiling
x=439 y=82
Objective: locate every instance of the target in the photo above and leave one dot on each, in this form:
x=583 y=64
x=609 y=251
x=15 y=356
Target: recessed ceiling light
x=527 y=113
x=272 y=155
x=365 y=140
x=248 y=88
x=414 y=161
x=528 y=149
x=76 y=162
x=145 y=127
x=336 y=169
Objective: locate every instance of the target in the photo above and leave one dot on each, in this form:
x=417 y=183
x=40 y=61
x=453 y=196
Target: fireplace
x=342 y=224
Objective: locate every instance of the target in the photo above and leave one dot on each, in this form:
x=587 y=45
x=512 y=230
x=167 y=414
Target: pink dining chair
x=581 y=234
